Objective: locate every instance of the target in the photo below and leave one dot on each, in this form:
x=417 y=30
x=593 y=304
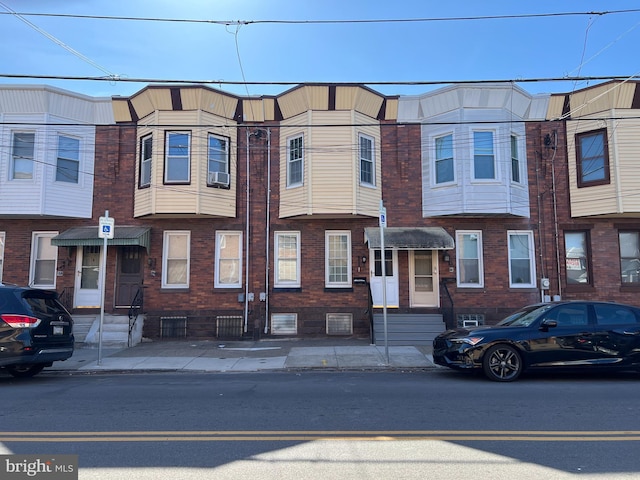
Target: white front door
x=375 y=274
x=423 y=278
x=87 y=284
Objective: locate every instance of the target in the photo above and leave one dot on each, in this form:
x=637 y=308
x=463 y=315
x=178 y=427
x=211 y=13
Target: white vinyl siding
x=337 y=259
x=522 y=272
x=287 y=259
x=175 y=259
x=469 y=258
x=44 y=257
x=228 y=270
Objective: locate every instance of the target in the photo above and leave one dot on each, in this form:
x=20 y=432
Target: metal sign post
x=106 y=226
x=383 y=224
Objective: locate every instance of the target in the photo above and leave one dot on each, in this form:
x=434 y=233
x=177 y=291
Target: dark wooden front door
x=129 y=275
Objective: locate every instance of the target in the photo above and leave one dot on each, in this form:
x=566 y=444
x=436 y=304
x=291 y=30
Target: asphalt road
x=412 y=424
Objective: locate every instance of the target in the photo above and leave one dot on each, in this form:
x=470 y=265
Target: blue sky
x=461 y=50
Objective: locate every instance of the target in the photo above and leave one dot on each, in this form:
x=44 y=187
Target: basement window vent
x=173 y=327
x=470 y=319
x=229 y=327
x=284 y=324
x=339 y=324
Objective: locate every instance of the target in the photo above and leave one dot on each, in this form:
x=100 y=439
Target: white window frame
x=223 y=238
x=437 y=160
x=39 y=254
x=177 y=158
x=516 y=164
x=299 y=158
x=330 y=258
x=146 y=160
x=481 y=153
x=364 y=160
x=530 y=247
x=214 y=159
x=278 y=260
x=166 y=244
x=14 y=157
x=72 y=161
x=3 y=236
x=460 y=257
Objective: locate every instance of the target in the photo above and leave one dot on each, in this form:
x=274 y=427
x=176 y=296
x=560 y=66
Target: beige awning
x=87 y=236
x=417 y=238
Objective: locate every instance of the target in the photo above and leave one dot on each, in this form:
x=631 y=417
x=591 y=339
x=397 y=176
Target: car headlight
x=470 y=340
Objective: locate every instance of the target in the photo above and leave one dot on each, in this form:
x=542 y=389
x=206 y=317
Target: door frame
x=435 y=277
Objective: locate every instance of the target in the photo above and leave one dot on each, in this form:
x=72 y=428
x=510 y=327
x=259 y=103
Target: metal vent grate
x=470 y=319
x=284 y=324
x=173 y=327
x=339 y=324
x=229 y=327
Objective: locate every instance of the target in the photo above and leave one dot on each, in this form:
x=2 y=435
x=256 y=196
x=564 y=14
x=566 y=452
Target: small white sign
x=383 y=217
x=106 y=227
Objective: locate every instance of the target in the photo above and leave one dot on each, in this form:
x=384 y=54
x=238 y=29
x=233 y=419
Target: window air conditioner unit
x=218 y=178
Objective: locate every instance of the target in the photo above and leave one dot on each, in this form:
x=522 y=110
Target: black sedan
x=560 y=334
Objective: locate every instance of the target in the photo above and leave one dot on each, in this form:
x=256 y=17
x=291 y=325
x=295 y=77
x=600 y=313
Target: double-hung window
x=175 y=259
x=367 y=162
x=515 y=161
x=484 y=165
x=228 y=272
x=44 y=257
x=68 y=162
x=338 y=259
x=22 y=151
x=576 y=250
x=295 y=160
x=146 y=152
x=218 y=161
x=444 y=159
x=592 y=155
x=630 y=257
x=287 y=259
x=522 y=272
x=469 y=257
x=177 y=165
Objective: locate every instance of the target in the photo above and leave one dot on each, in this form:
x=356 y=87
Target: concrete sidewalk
x=246 y=356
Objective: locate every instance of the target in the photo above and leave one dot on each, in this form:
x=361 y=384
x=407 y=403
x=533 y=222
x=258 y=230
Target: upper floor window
x=592 y=156
x=178 y=158
x=287 y=259
x=22 y=155
x=484 y=166
x=444 y=159
x=576 y=248
x=515 y=161
x=295 y=159
x=228 y=259
x=146 y=152
x=175 y=259
x=338 y=259
x=367 y=165
x=469 y=258
x=68 y=162
x=218 y=161
x=44 y=257
x=630 y=257
x=521 y=259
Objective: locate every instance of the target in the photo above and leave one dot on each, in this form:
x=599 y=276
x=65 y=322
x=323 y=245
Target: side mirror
x=547 y=324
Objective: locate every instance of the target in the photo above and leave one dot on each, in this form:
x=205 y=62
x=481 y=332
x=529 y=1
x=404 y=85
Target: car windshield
x=524 y=317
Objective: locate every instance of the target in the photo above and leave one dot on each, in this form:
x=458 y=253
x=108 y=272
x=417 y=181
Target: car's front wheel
x=502 y=363
x=25 y=371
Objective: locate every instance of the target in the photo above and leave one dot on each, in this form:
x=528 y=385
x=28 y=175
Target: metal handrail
x=134 y=309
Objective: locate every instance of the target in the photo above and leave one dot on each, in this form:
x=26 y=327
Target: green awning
x=425 y=238
x=88 y=236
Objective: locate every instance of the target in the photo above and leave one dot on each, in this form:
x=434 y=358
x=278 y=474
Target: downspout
x=246 y=266
x=266 y=298
x=555 y=210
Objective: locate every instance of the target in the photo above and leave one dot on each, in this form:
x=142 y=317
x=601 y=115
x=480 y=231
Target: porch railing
x=136 y=308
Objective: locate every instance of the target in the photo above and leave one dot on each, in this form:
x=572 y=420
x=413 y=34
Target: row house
x=245 y=217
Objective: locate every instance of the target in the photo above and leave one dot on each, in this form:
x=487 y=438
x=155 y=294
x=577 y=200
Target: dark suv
x=35 y=330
